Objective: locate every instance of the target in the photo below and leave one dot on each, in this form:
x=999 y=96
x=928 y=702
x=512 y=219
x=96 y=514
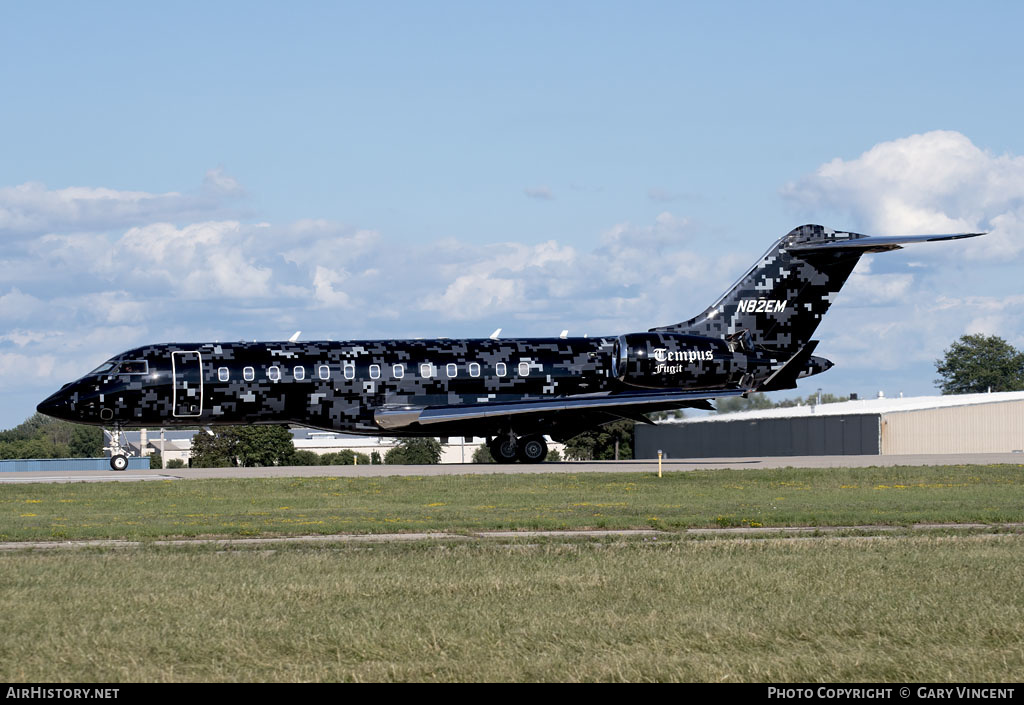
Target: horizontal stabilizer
x=866 y=244
x=396 y=418
x=786 y=376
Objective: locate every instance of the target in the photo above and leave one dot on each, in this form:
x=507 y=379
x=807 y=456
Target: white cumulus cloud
x=937 y=182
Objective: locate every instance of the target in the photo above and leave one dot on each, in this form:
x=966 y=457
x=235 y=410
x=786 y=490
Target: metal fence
x=55 y=464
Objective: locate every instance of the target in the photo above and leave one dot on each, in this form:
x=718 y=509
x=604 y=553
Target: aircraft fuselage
x=344 y=385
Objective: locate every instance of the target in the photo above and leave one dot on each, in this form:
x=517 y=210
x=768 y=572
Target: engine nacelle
x=674 y=360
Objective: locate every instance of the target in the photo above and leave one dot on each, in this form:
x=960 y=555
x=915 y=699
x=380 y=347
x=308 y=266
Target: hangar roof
x=861 y=406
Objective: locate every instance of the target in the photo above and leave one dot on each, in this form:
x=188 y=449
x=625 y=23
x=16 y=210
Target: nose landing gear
x=118 y=453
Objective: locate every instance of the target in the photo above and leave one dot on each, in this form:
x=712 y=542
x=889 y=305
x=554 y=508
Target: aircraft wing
x=401 y=417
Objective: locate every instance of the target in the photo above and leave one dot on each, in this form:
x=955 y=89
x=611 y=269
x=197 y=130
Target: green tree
x=261 y=446
x=415 y=451
x=246 y=446
x=344 y=457
x=305 y=457
x=727 y=405
x=665 y=415
x=216 y=451
x=482 y=455
x=553 y=456
x=979 y=363
x=600 y=443
x=811 y=400
x=86 y=442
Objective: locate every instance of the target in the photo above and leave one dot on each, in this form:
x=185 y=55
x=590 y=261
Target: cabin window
x=105 y=367
x=248 y=374
x=299 y=372
x=524 y=369
x=474 y=369
x=426 y=370
x=398 y=371
x=350 y=370
x=223 y=374
x=274 y=373
x=500 y=369
x=452 y=370
x=374 y=371
x=324 y=372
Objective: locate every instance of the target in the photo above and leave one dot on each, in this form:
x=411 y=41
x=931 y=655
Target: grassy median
x=722 y=498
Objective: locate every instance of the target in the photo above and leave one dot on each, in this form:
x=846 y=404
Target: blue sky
x=361 y=170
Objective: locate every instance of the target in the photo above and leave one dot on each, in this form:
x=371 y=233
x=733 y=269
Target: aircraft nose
x=56 y=405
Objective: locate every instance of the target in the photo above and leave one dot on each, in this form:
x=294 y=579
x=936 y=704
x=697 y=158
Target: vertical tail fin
x=780 y=301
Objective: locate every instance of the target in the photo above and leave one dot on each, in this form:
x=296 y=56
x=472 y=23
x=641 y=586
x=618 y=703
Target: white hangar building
x=963 y=423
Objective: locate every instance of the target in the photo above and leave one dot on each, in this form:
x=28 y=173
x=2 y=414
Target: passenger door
x=187 y=370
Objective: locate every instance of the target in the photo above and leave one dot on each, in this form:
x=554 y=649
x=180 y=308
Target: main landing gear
x=118 y=453
x=508 y=448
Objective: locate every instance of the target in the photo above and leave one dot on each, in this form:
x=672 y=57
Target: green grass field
x=939 y=606
x=778 y=610
x=291 y=506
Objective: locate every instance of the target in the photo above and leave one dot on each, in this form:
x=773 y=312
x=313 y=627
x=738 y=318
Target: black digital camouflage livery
x=756 y=337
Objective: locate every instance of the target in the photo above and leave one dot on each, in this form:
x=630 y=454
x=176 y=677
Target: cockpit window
x=105 y=367
x=133 y=367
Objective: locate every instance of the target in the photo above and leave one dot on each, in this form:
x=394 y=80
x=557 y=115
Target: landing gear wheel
x=503 y=449
x=532 y=449
x=118 y=462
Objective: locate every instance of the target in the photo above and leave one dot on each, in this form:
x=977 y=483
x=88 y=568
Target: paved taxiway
x=641 y=466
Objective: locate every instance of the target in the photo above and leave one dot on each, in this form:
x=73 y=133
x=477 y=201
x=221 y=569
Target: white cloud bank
x=32 y=208
x=937 y=182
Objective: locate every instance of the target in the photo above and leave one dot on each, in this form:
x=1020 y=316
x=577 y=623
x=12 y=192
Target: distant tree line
x=42 y=436
x=729 y=405
x=260 y=446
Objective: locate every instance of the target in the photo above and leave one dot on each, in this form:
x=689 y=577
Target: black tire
x=503 y=449
x=532 y=449
x=118 y=462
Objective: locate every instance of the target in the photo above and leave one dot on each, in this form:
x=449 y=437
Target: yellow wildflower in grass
x=33 y=501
